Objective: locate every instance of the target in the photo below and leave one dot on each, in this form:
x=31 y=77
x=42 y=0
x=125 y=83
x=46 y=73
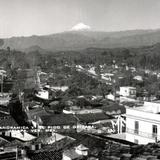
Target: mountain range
x=81 y=39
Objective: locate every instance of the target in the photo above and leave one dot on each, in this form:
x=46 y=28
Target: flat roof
x=128 y=87
x=144 y=109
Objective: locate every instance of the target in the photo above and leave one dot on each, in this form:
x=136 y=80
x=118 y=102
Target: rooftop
x=37 y=112
x=128 y=87
x=49 y=139
x=58 y=120
x=3 y=142
x=114 y=109
x=46 y=155
x=150 y=107
x=92 y=117
x=23 y=136
x=8 y=121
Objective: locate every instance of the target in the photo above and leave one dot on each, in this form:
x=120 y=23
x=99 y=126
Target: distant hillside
x=34 y=48
x=77 y=40
x=142 y=50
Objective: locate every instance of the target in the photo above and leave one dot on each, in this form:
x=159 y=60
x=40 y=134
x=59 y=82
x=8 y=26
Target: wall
x=146 y=121
x=127 y=91
x=141 y=140
x=155 y=107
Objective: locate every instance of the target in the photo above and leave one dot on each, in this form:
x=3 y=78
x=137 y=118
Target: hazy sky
x=32 y=17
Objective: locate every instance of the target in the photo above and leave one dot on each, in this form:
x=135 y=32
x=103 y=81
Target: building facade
x=127 y=91
x=143 y=123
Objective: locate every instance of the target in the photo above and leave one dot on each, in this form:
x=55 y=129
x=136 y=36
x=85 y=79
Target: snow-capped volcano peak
x=80 y=27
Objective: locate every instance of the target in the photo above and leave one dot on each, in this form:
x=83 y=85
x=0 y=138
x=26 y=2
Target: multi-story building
x=127 y=91
x=143 y=123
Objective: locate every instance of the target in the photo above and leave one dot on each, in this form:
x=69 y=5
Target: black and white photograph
x=79 y=79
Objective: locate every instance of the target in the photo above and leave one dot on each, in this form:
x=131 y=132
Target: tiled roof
x=72 y=154
x=8 y=121
x=47 y=155
x=3 y=142
x=87 y=140
x=70 y=119
x=3 y=115
x=15 y=142
x=58 y=120
x=92 y=117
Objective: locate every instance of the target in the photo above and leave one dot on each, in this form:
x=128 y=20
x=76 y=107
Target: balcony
x=143 y=134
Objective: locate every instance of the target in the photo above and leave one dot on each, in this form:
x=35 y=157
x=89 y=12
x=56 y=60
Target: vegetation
x=21 y=67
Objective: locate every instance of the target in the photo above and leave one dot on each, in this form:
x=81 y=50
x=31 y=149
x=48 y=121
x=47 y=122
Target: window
x=154 y=130
x=132 y=92
x=136 y=141
x=136 y=127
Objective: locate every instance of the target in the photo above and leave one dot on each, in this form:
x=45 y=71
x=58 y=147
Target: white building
x=127 y=91
x=59 y=88
x=43 y=94
x=143 y=123
x=138 y=78
x=107 y=76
